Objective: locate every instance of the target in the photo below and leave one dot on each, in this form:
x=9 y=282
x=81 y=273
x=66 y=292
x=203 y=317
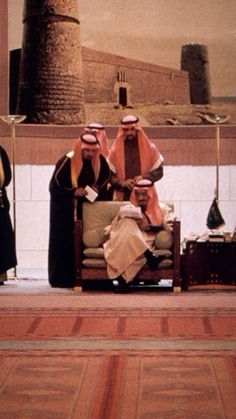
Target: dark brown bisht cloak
x=7 y=238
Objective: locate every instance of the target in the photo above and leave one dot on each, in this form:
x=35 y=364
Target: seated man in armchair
x=131 y=236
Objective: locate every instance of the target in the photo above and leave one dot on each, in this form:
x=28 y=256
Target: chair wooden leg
x=78 y=289
x=177 y=289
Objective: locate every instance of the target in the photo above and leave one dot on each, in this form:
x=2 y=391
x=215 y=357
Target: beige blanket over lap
x=124 y=250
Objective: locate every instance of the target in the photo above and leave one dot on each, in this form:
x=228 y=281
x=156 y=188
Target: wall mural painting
x=71 y=61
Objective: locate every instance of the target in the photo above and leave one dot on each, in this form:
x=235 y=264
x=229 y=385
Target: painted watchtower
x=51 y=89
x=194 y=59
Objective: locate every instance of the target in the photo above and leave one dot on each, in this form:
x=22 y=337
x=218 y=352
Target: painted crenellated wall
x=148 y=83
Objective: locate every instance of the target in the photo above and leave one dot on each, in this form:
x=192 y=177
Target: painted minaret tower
x=194 y=59
x=51 y=87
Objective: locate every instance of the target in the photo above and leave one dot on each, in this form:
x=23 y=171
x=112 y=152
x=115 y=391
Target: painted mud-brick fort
x=61 y=82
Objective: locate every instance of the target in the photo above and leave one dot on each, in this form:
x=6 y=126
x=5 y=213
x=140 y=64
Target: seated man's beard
x=143 y=206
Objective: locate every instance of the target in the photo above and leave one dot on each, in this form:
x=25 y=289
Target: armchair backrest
x=96 y=217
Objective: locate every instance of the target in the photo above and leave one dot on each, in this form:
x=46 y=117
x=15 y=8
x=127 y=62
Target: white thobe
x=124 y=251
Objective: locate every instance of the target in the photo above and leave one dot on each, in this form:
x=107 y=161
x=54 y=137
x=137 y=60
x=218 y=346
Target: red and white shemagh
x=77 y=160
x=153 y=210
x=150 y=157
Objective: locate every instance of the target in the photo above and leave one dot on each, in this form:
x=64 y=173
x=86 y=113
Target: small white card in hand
x=91 y=193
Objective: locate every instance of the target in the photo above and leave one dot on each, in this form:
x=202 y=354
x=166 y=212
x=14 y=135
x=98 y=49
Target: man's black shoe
x=153 y=260
x=122 y=287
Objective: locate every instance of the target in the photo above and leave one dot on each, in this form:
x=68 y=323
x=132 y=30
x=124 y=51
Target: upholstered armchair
x=90 y=236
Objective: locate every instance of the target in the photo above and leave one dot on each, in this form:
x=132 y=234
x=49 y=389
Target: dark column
x=51 y=87
x=194 y=59
x=14 y=79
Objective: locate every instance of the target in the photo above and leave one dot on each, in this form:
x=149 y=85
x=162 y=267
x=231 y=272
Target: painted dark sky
x=154 y=31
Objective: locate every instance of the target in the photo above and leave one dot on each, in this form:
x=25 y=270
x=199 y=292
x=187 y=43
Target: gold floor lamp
x=215 y=218
x=12 y=120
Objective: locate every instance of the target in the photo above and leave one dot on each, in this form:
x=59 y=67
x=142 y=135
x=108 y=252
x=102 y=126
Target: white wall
x=191 y=188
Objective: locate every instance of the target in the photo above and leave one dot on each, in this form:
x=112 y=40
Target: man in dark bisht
x=7 y=237
x=84 y=166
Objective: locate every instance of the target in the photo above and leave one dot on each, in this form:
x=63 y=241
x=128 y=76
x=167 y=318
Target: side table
x=209 y=262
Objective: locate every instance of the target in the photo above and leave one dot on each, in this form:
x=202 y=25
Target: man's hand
x=80 y=192
x=95 y=188
x=128 y=183
x=143 y=224
x=137 y=178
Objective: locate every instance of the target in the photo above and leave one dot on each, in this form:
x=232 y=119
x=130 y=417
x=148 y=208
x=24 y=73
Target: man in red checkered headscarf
x=133 y=156
x=132 y=235
x=100 y=132
x=82 y=167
